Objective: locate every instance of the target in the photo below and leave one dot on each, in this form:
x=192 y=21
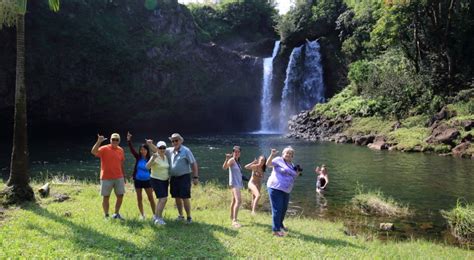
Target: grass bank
x=76 y=228
x=375 y=203
x=461 y=222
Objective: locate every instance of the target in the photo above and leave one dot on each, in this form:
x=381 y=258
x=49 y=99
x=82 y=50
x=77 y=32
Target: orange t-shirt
x=111 y=160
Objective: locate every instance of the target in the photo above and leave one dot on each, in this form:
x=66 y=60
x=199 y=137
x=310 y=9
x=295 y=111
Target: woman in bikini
x=258 y=168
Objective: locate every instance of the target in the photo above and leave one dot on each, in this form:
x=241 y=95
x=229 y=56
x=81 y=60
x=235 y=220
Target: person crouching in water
x=258 y=167
x=322 y=179
x=141 y=175
x=232 y=162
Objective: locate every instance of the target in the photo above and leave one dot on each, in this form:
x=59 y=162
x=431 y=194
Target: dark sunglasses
x=175 y=141
x=162 y=147
x=115 y=140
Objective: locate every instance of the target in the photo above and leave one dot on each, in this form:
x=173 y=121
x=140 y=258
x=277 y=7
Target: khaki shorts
x=106 y=186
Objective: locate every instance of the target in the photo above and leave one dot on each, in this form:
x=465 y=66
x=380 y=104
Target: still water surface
x=427 y=182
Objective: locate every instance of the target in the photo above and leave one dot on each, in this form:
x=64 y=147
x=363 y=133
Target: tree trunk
x=18 y=189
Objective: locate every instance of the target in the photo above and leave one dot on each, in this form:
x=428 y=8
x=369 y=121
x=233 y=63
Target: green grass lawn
x=45 y=230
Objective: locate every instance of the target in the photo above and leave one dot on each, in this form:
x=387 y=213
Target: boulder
x=341 y=138
x=379 y=143
x=61 y=197
x=364 y=140
x=444 y=113
x=462 y=150
x=467 y=138
x=467 y=125
x=442 y=133
x=386 y=226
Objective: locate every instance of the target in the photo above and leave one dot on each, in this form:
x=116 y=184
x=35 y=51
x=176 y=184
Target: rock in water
x=386 y=226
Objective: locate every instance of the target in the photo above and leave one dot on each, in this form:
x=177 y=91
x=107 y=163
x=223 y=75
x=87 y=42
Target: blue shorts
x=180 y=186
x=160 y=187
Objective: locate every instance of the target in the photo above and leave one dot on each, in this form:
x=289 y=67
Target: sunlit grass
x=461 y=221
x=76 y=228
x=376 y=203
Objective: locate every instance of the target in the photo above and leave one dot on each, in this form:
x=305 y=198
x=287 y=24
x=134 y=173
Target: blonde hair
x=288 y=149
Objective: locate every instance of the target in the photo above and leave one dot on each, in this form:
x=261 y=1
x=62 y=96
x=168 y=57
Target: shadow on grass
x=172 y=240
x=314 y=239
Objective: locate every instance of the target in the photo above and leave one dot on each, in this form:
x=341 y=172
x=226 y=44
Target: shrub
x=461 y=221
x=391 y=80
x=347 y=102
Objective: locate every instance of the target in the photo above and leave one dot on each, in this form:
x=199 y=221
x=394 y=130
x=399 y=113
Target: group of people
x=159 y=168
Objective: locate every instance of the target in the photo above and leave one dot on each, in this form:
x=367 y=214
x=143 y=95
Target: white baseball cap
x=160 y=144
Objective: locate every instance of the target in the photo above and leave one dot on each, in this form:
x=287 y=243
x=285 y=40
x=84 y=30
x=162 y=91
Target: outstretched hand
x=100 y=138
x=228 y=156
x=274 y=152
x=149 y=141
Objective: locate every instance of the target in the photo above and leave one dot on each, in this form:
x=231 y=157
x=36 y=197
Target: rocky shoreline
x=314 y=127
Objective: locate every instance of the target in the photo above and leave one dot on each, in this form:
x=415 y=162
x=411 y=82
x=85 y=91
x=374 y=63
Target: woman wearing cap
x=159 y=166
x=141 y=175
x=280 y=185
x=258 y=168
x=232 y=162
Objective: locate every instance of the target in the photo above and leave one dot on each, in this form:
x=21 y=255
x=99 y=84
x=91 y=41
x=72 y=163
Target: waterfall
x=304 y=86
x=292 y=81
x=267 y=120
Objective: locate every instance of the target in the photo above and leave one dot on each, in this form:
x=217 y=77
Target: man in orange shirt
x=112 y=174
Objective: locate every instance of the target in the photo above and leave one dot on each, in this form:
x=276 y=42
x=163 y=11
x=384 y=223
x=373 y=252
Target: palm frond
x=54 y=5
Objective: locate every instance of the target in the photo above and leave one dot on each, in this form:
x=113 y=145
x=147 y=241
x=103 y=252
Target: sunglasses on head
x=115 y=140
x=162 y=147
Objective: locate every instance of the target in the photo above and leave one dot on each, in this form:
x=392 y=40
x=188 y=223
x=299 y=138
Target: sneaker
x=189 y=220
x=117 y=216
x=279 y=234
x=159 y=221
x=180 y=218
x=236 y=224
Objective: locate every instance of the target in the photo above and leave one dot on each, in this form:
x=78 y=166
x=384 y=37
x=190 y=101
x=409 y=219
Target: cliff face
x=118 y=65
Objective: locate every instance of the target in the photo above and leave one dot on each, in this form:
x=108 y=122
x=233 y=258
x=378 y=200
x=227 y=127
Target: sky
x=282 y=5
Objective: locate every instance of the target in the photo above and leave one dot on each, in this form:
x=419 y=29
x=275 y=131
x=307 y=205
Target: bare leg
x=118 y=203
x=105 y=204
x=140 y=201
x=255 y=196
x=160 y=206
x=149 y=193
x=187 y=207
x=232 y=206
x=238 y=200
x=179 y=205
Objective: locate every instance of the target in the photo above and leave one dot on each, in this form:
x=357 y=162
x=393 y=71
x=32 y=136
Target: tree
x=12 y=13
